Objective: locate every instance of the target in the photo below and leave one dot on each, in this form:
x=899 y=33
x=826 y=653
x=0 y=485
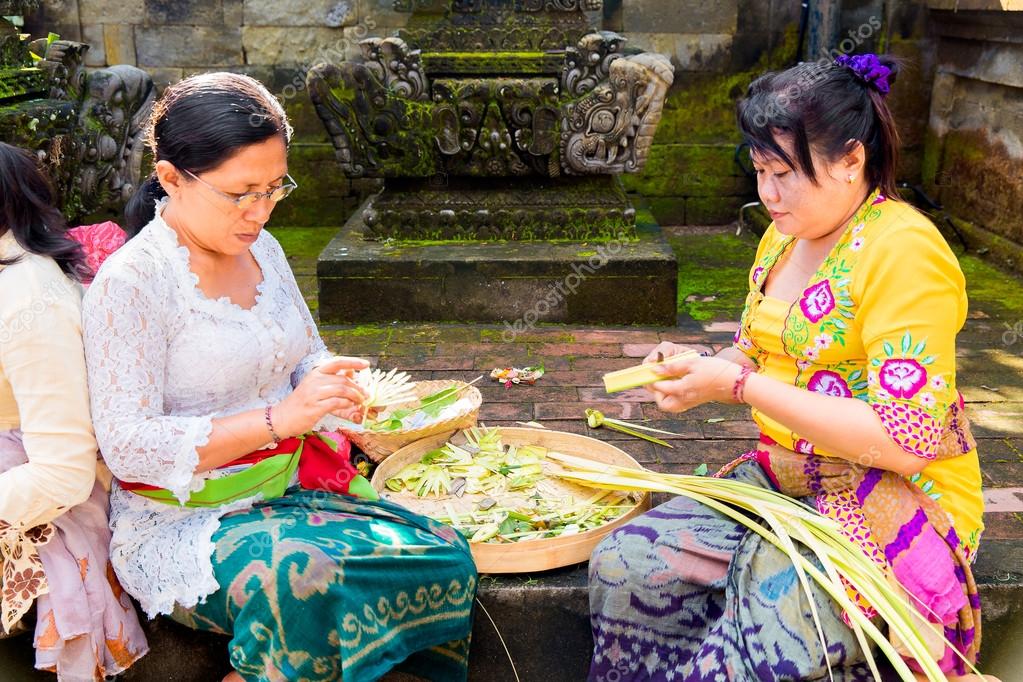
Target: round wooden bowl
x=379 y=446
x=526 y=556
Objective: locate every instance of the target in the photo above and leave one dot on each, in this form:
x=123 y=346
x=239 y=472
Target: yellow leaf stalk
x=595 y=419
x=640 y=375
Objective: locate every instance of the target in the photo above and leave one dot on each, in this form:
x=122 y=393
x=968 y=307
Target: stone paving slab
x=576 y=358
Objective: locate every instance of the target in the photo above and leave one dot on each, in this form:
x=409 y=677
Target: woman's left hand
x=700 y=380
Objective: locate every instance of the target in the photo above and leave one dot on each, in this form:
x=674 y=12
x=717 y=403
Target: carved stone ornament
x=85 y=126
x=492 y=89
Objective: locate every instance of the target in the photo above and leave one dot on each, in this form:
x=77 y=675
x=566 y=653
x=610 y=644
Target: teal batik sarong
x=320 y=586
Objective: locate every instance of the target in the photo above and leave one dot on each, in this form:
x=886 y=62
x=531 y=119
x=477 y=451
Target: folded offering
x=432 y=408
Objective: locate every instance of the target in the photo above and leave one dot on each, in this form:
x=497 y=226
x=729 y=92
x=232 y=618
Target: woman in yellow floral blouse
x=846 y=354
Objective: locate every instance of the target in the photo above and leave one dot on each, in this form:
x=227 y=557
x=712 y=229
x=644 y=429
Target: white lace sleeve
x=126 y=346
x=317 y=350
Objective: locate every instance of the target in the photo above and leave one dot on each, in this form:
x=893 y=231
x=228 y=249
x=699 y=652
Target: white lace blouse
x=164 y=361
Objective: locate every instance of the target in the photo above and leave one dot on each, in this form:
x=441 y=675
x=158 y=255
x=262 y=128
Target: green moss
x=693 y=154
x=381 y=333
x=303 y=243
x=931 y=157
x=973 y=163
x=478 y=55
x=497 y=336
x=492 y=62
x=991 y=290
x=702 y=108
x=403 y=243
x=713 y=265
x=717 y=210
x=369 y=330
x=701 y=170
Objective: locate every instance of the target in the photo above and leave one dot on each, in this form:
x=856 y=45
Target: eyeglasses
x=249 y=199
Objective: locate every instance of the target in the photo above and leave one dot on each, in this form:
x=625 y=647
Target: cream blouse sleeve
x=42 y=365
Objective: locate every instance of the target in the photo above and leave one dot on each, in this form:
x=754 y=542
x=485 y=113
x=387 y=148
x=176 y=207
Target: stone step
x=543 y=618
x=520 y=283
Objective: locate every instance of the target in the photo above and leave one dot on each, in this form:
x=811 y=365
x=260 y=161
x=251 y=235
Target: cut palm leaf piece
x=640 y=375
x=595 y=419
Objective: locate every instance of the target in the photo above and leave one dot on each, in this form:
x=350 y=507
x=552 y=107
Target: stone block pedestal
x=519 y=283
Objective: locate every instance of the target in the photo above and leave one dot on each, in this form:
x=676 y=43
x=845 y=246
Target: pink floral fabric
x=98 y=241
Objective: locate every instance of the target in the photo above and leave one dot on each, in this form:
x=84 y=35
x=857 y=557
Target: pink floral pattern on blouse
x=830 y=383
x=902 y=378
x=817 y=301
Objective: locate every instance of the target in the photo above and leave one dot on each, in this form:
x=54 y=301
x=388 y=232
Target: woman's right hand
x=322 y=391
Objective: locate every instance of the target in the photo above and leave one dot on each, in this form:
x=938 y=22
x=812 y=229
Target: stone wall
x=275 y=41
x=974 y=153
x=693 y=176
x=717 y=48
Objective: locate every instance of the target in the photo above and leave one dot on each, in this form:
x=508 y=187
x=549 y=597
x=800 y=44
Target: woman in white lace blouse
x=203 y=354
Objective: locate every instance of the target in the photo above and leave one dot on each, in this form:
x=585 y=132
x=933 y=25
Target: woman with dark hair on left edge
x=54 y=538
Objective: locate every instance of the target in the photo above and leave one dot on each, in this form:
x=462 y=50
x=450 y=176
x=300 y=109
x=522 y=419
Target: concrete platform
x=517 y=283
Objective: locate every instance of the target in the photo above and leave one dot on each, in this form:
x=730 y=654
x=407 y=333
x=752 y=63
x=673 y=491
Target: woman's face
x=212 y=221
x=801 y=208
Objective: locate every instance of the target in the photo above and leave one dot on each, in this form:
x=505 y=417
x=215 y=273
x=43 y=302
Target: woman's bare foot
x=233 y=676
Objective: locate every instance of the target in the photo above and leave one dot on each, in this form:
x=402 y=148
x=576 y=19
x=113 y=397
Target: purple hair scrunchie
x=869 y=69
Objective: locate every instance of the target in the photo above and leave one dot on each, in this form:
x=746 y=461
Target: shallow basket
x=380 y=445
x=529 y=555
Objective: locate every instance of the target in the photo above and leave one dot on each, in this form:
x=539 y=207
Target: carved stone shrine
x=500 y=128
x=85 y=127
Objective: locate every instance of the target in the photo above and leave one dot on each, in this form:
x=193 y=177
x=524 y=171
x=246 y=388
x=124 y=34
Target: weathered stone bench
x=544 y=619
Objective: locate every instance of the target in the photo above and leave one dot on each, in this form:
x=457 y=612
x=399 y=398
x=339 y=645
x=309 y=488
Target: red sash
x=322 y=465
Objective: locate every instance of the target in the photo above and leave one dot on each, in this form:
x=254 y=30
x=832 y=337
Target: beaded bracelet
x=740 y=384
x=270 y=426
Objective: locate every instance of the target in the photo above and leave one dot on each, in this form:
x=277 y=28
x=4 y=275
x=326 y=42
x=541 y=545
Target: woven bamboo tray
x=380 y=445
x=528 y=555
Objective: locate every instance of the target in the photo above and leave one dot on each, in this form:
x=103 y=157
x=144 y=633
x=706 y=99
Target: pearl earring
x=851 y=179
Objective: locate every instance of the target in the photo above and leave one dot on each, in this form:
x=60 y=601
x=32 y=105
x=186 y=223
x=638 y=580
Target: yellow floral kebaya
x=877 y=322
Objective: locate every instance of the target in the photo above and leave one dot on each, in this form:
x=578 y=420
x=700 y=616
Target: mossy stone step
x=521 y=282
